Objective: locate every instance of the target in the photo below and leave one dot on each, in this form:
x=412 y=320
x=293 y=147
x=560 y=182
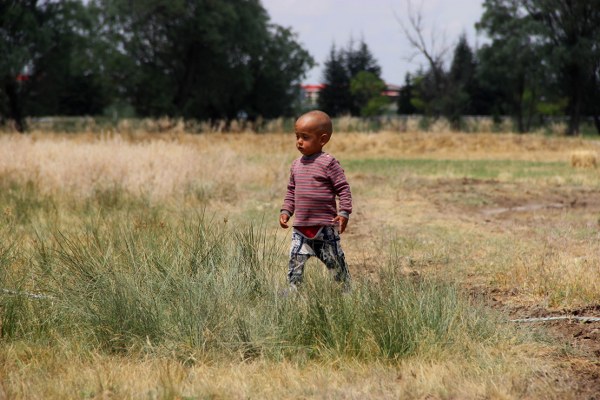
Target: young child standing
x=316 y=179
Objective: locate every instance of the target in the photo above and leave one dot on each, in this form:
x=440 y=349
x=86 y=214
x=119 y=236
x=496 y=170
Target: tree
x=277 y=72
x=205 y=59
x=366 y=88
x=21 y=44
x=53 y=60
x=592 y=100
x=341 y=68
x=69 y=77
x=570 y=30
x=335 y=98
x=544 y=53
x=461 y=84
x=405 y=97
x=434 y=52
x=509 y=66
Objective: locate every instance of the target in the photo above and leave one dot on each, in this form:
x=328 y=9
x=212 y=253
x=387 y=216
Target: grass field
x=151 y=266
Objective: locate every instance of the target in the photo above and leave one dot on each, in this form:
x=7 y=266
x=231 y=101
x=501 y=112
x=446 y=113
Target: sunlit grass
x=155 y=268
x=504 y=170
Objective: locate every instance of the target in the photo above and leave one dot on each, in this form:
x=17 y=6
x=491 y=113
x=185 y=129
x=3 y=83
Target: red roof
x=312 y=88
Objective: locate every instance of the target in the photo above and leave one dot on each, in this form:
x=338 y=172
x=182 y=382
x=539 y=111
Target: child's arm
x=342 y=189
x=289 y=202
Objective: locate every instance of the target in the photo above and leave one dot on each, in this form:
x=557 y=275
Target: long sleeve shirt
x=314 y=183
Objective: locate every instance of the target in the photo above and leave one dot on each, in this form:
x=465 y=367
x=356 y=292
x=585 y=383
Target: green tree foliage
x=191 y=58
x=21 y=44
x=510 y=65
x=341 y=68
x=570 y=31
x=335 y=98
x=51 y=62
x=405 y=98
x=463 y=94
x=592 y=99
x=206 y=59
x=69 y=78
x=366 y=88
x=277 y=73
x=426 y=95
x=450 y=93
x=542 y=55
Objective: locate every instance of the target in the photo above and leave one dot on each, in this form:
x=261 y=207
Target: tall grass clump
x=390 y=317
x=201 y=287
x=121 y=285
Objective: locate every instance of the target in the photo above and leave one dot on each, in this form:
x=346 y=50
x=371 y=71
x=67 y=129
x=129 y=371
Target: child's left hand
x=343 y=221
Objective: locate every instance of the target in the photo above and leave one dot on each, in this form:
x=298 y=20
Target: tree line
x=199 y=59
x=221 y=60
x=542 y=60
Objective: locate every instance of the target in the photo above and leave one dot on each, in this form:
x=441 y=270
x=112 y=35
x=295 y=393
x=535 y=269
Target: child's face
x=308 y=140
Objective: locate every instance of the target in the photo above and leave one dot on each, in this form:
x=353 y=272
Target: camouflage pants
x=325 y=246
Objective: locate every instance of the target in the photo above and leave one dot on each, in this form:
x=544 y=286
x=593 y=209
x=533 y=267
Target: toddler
x=316 y=179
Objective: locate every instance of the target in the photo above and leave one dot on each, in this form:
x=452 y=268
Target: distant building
x=26 y=73
x=392 y=91
x=310 y=92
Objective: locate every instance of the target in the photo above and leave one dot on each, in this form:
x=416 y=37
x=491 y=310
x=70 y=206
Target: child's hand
x=283 y=220
x=343 y=221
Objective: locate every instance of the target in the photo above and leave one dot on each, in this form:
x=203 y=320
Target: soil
x=518 y=209
x=512 y=207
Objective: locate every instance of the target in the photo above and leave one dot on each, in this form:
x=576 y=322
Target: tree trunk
x=520 y=96
x=577 y=83
x=14 y=105
x=574 y=120
x=597 y=123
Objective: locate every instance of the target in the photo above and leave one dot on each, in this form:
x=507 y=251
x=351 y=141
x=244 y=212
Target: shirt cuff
x=286 y=212
x=344 y=214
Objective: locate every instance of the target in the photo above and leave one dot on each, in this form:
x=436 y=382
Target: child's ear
x=324 y=139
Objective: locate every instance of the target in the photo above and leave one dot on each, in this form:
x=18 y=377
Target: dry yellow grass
x=158 y=169
x=164 y=165
x=24 y=375
x=584 y=159
x=249 y=171
x=455 y=146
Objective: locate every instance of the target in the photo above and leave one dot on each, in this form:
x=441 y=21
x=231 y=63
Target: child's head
x=313 y=131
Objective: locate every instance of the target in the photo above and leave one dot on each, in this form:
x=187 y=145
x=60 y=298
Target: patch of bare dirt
x=581 y=339
x=518 y=209
x=519 y=205
x=491 y=197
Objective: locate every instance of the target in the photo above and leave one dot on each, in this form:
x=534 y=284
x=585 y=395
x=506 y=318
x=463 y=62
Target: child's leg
x=329 y=251
x=300 y=252
x=296 y=268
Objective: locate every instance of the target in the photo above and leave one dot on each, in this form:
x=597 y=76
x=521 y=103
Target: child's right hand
x=283 y=220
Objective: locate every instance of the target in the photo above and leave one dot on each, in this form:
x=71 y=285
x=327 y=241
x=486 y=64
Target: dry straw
x=161 y=165
x=584 y=159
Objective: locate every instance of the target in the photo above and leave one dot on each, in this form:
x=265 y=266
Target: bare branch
x=414 y=31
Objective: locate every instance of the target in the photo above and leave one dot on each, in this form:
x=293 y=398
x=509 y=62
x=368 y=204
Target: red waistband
x=309 y=231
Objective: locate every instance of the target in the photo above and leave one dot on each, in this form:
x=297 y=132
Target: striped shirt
x=315 y=181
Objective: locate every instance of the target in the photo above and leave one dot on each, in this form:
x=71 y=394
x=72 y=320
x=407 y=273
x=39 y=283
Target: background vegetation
x=221 y=61
x=145 y=265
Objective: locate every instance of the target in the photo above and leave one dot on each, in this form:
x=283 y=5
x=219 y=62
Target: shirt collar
x=312 y=156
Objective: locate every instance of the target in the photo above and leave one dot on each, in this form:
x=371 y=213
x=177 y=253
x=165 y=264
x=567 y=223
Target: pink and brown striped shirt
x=315 y=181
